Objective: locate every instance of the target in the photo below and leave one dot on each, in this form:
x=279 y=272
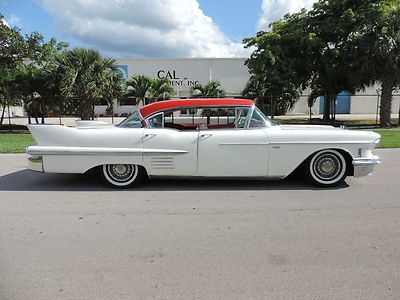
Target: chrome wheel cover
x=328 y=167
x=120 y=174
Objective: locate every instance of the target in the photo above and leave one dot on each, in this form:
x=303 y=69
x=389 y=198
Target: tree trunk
x=398 y=118
x=25 y=101
x=271 y=107
x=386 y=102
x=42 y=112
x=2 y=114
x=9 y=116
x=327 y=107
x=87 y=108
x=334 y=108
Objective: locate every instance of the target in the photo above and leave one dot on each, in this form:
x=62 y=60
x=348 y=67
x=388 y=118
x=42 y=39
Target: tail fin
x=52 y=135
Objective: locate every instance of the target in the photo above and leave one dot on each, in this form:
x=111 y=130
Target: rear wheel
x=123 y=175
x=326 y=168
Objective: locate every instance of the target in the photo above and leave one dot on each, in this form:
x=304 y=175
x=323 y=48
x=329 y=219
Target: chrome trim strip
x=45 y=150
x=365 y=161
x=230 y=144
x=322 y=142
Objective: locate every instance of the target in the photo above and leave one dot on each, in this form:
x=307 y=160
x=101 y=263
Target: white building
x=233 y=75
x=184 y=73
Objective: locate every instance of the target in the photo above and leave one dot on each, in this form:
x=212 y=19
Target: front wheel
x=326 y=168
x=122 y=175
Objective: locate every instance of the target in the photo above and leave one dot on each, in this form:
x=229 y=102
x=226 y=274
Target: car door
x=233 y=152
x=169 y=152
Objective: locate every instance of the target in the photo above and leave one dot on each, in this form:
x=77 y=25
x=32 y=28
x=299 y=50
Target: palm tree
x=212 y=89
x=256 y=89
x=112 y=89
x=139 y=86
x=376 y=51
x=161 y=89
x=83 y=77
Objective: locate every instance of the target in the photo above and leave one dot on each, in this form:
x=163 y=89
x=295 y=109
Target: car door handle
x=150 y=135
x=205 y=136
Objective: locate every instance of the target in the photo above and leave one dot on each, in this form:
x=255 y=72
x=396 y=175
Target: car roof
x=152 y=108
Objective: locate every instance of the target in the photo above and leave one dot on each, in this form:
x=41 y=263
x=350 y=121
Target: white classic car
x=202 y=138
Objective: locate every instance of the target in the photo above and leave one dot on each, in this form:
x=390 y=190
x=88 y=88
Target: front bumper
x=35 y=163
x=364 y=166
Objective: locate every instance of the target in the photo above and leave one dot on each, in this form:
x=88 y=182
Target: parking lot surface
x=71 y=237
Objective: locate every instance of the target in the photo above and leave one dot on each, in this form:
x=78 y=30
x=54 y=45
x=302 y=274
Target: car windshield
x=132 y=121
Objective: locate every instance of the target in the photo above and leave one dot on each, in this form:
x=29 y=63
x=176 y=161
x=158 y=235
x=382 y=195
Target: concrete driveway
x=70 y=237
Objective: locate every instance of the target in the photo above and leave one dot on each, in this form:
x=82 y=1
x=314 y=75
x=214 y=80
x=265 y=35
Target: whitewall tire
x=122 y=175
x=326 y=168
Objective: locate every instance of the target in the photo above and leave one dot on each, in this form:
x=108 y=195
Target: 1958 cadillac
x=202 y=138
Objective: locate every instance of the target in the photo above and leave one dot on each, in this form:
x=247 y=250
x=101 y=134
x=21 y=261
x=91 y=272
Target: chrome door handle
x=205 y=136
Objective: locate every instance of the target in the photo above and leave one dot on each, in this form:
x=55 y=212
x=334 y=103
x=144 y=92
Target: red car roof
x=212 y=102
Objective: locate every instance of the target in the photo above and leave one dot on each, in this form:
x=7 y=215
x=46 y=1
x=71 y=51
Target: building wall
x=366 y=101
x=185 y=72
x=363 y=102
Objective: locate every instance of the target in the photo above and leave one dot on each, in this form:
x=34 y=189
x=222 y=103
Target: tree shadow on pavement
x=26 y=180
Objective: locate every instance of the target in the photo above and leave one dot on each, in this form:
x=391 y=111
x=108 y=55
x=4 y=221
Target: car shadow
x=27 y=180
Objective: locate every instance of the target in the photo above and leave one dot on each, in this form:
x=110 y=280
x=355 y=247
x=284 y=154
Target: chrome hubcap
x=327 y=166
x=120 y=169
x=121 y=173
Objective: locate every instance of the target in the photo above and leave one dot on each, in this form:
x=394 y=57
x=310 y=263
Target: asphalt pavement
x=71 y=237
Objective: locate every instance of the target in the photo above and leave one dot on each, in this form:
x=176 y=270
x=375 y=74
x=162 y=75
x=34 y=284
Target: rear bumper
x=364 y=166
x=35 y=163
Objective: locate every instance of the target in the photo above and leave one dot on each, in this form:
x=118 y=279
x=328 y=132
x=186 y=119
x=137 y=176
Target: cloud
x=13 y=20
x=273 y=10
x=4 y=22
x=143 y=27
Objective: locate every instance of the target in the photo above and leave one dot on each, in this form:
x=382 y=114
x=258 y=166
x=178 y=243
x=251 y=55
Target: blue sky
x=30 y=16
x=239 y=21
x=193 y=28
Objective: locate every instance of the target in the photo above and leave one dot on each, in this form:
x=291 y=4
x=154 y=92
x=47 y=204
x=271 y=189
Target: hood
x=321 y=134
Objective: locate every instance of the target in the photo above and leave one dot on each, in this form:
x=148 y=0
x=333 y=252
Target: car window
x=132 y=121
x=257 y=119
x=200 y=118
x=241 y=117
x=156 y=121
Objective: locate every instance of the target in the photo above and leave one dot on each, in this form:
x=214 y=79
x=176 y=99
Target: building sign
x=123 y=69
x=176 y=80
